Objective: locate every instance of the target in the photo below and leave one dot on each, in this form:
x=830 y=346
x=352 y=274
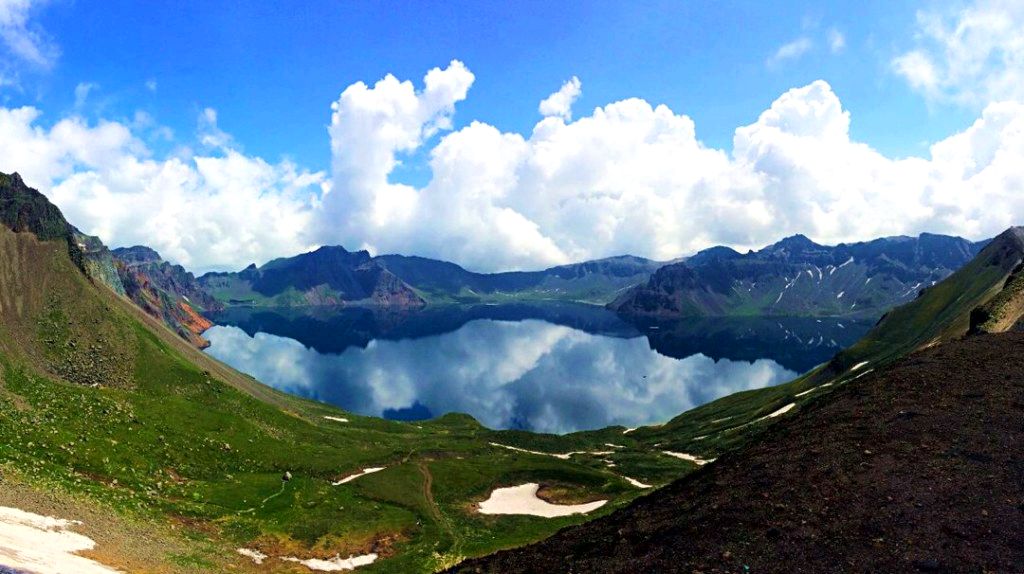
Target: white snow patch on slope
x=636 y=482
x=44 y=545
x=255 y=555
x=363 y=472
x=689 y=457
x=336 y=564
x=779 y=412
x=523 y=499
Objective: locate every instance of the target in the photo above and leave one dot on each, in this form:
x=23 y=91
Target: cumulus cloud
x=223 y=209
x=973 y=55
x=22 y=40
x=629 y=177
x=559 y=104
x=633 y=178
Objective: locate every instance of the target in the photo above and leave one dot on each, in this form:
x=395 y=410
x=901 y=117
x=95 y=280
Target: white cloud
x=630 y=177
x=559 y=104
x=22 y=40
x=970 y=56
x=634 y=178
x=836 y=41
x=82 y=91
x=151 y=85
x=790 y=51
x=219 y=210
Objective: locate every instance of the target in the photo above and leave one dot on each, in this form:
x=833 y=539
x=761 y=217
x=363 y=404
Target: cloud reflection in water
x=528 y=374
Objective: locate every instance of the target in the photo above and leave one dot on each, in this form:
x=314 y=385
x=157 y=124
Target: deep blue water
x=543 y=367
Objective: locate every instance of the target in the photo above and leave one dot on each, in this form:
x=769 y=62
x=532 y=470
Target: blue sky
x=224 y=133
x=272 y=69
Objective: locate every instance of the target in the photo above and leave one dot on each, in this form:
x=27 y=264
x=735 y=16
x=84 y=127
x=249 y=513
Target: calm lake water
x=543 y=367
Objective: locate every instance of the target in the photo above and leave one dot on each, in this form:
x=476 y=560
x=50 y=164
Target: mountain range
x=797 y=277
x=794 y=277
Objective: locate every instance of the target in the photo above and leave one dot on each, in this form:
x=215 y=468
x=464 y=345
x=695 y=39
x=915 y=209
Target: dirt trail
x=434 y=509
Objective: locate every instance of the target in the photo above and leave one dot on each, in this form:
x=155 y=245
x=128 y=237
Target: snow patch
x=336 y=419
x=688 y=457
x=363 y=472
x=859 y=365
x=779 y=412
x=255 y=555
x=523 y=499
x=44 y=545
x=335 y=564
x=636 y=482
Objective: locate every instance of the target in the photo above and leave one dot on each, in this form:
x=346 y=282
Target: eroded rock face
x=165 y=291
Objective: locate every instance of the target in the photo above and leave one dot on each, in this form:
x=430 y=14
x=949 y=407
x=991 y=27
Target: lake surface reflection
x=542 y=367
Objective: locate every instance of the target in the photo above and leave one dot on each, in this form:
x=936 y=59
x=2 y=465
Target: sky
x=513 y=135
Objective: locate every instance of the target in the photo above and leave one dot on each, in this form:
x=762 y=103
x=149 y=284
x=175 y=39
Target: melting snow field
x=335 y=564
x=363 y=472
x=636 y=482
x=523 y=499
x=688 y=457
x=336 y=419
x=44 y=545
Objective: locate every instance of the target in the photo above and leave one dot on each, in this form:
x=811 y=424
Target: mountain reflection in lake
x=548 y=368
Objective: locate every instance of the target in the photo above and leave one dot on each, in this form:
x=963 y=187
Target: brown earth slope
x=916 y=468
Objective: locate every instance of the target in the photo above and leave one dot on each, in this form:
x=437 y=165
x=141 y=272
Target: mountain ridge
x=798 y=277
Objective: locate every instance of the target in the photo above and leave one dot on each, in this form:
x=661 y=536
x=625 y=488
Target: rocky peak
x=137 y=254
x=25 y=209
